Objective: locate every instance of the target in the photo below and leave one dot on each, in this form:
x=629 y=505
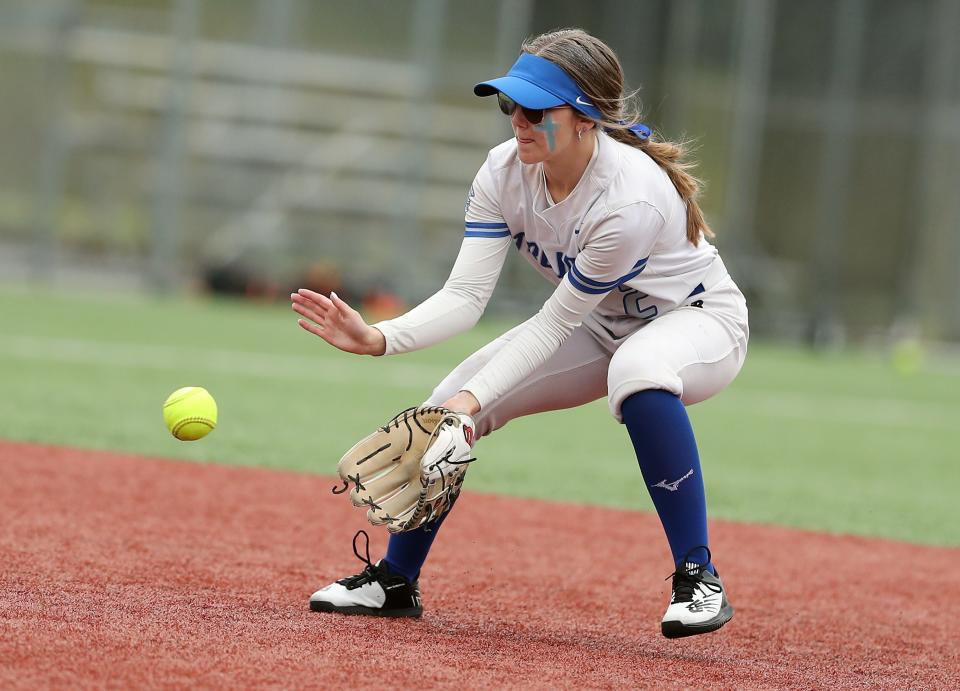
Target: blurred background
x=251 y=146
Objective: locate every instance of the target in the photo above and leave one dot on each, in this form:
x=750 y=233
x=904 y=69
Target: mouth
x=523 y=140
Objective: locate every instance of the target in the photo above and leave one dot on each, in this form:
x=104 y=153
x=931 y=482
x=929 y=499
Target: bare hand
x=337 y=323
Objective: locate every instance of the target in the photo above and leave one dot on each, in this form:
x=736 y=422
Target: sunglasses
x=508 y=106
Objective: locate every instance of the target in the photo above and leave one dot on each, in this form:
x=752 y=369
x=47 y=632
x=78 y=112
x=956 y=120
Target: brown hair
x=596 y=69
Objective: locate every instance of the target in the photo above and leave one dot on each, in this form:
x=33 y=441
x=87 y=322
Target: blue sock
x=667 y=452
x=406 y=552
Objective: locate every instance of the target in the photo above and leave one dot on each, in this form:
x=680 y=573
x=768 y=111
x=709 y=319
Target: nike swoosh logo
x=584 y=103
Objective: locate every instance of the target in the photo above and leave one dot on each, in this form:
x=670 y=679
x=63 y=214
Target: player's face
x=541 y=141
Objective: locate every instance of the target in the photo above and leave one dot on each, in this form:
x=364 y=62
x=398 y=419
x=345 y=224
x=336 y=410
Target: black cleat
x=698 y=604
x=375 y=591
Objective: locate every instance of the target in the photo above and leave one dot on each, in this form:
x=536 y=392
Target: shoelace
x=684 y=585
x=686 y=580
x=369 y=574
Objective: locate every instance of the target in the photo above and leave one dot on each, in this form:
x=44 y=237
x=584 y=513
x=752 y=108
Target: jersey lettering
x=563 y=262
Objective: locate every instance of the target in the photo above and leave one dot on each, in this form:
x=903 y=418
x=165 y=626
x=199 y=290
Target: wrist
x=463 y=402
x=376 y=342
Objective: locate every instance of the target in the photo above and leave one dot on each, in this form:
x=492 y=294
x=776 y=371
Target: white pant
x=693 y=351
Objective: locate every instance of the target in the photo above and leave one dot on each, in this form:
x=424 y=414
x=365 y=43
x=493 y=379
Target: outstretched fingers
x=312 y=296
x=338 y=304
x=315 y=329
x=311 y=300
x=309 y=313
x=320 y=315
x=336 y=322
x=312 y=306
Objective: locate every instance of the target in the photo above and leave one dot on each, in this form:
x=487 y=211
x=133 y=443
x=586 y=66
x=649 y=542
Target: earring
x=579 y=135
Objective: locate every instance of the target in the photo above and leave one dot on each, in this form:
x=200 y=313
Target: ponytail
x=670 y=156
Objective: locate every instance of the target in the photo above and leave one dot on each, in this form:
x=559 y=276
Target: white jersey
x=615 y=248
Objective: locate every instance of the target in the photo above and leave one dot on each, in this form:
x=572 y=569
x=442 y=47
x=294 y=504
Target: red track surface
x=130 y=572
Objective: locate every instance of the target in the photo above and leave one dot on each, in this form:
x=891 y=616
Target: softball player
x=643 y=310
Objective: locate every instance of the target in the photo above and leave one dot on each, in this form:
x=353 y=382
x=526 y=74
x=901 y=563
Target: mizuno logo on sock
x=672 y=486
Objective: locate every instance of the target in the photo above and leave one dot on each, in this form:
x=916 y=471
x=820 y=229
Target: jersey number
x=632 y=306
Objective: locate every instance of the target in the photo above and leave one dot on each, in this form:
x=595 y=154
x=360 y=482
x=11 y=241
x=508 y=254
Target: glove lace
x=346 y=484
x=395 y=420
x=414 y=414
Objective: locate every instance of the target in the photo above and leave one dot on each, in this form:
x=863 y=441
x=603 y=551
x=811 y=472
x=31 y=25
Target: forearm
x=441 y=316
x=457 y=306
x=516 y=361
x=540 y=338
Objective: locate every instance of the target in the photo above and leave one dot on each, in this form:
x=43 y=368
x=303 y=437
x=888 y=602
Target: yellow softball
x=190 y=413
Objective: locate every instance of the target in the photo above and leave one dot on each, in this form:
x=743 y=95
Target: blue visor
x=535 y=82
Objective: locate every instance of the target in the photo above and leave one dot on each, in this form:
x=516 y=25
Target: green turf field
x=840 y=443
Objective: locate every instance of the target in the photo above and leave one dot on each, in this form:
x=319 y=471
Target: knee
x=627 y=376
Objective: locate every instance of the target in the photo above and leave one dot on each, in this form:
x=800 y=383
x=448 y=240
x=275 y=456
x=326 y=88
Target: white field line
x=791 y=405
x=845 y=409
x=235 y=362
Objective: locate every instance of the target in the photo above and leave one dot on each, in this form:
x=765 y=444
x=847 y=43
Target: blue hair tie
x=639 y=130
